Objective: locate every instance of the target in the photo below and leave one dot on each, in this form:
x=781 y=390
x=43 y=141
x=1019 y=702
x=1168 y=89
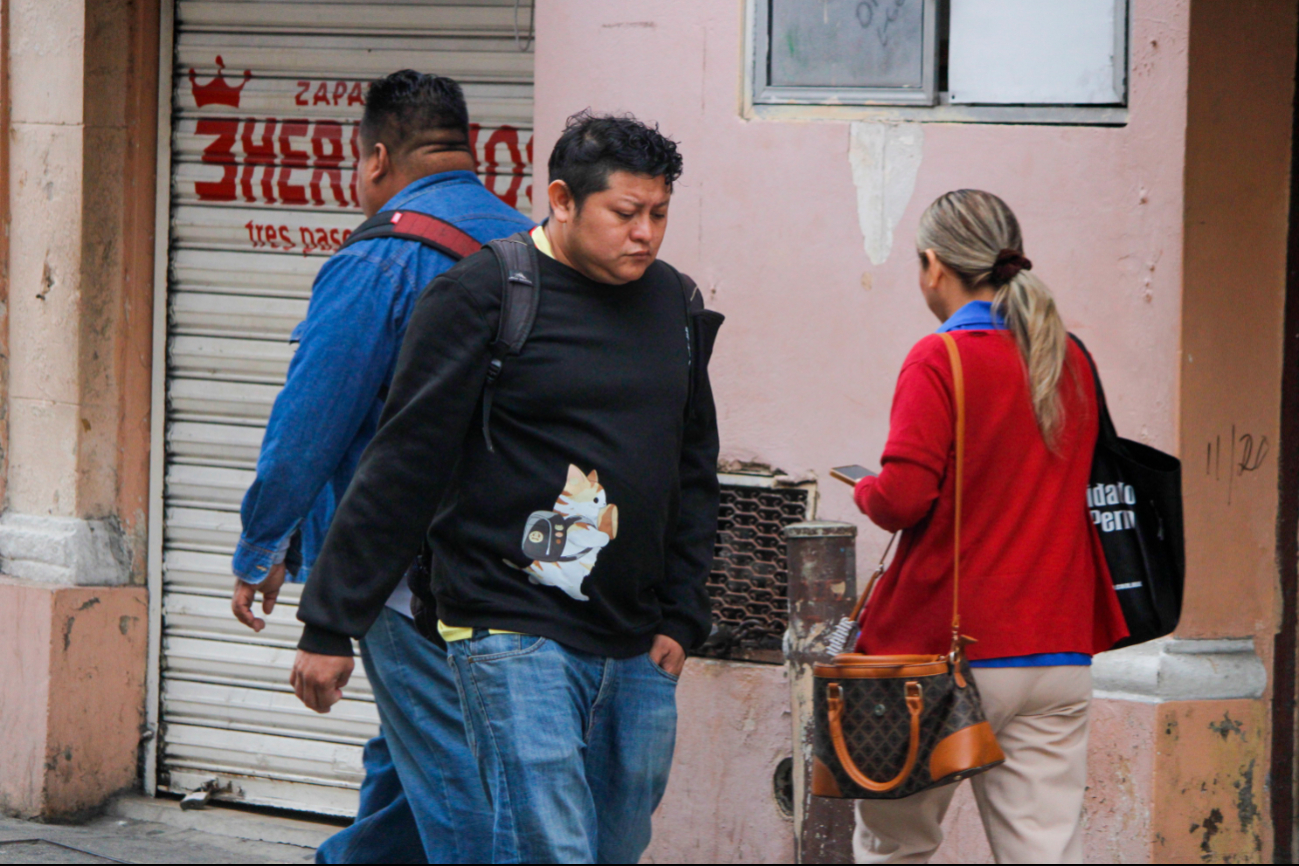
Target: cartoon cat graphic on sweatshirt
x=565 y=543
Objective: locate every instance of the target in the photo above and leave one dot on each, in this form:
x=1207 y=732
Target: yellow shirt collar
x=543 y=243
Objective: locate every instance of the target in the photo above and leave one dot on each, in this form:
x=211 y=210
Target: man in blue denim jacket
x=422 y=786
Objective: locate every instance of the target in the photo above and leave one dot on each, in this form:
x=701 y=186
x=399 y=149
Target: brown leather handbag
x=888 y=727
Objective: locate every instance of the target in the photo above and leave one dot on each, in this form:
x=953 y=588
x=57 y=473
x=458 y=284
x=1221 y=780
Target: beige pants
x=1031 y=805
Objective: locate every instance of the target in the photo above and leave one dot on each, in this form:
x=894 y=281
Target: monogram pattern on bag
x=877 y=728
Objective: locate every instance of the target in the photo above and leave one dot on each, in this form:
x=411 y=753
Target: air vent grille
x=750 y=578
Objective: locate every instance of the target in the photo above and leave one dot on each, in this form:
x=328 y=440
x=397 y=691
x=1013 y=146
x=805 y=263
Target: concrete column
x=822 y=590
x=81 y=181
x=47 y=76
x=82 y=84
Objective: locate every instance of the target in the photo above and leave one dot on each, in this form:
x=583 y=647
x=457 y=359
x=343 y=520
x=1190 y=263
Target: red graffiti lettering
x=528 y=191
x=246 y=183
x=221 y=152
x=508 y=136
x=257 y=153
x=299 y=162
x=332 y=92
x=327 y=144
x=335 y=178
x=291 y=129
x=321 y=240
x=290 y=193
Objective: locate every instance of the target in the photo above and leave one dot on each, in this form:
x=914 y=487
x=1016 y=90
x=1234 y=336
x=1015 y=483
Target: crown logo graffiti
x=216 y=91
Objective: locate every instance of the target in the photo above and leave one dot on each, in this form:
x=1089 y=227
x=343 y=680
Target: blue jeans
x=384 y=830
x=576 y=748
x=425 y=734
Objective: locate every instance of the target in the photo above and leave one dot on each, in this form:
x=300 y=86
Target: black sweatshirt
x=593 y=522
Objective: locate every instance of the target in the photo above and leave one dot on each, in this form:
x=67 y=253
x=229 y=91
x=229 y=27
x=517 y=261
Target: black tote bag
x=1135 y=500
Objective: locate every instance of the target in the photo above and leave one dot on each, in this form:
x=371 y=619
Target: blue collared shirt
x=329 y=409
x=979 y=316
x=974 y=316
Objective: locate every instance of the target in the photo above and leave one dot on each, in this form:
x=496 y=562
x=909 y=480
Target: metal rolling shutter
x=267 y=98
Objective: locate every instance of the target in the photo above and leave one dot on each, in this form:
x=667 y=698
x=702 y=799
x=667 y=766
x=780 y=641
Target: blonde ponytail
x=1029 y=310
x=969 y=230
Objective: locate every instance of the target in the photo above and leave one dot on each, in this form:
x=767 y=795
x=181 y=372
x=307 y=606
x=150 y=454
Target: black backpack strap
x=694 y=304
x=694 y=297
x=415 y=226
x=520 y=296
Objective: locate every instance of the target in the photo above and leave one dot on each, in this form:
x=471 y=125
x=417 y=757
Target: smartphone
x=851 y=474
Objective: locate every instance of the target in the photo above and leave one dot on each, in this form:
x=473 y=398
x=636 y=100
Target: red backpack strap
x=415 y=226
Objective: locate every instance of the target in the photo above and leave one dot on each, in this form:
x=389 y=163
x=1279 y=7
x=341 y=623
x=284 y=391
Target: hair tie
x=1008 y=265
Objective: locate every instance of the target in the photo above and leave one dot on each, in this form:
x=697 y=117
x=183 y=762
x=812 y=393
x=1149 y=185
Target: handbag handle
x=1106 y=433
x=915 y=706
x=958 y=386
x=870 y=584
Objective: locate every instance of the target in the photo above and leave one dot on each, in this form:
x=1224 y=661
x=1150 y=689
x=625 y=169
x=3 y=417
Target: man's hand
x=318 y=680
x=245 y=593
x=668 y=654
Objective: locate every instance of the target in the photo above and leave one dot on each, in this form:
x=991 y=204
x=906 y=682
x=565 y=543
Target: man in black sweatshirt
x=571 y=543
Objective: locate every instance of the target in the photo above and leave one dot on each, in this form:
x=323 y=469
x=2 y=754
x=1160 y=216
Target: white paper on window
x=1037 y=52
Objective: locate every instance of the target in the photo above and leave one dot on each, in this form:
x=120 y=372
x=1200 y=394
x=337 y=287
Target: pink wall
x=720 y=805
x=766 y=220
x=71 y=696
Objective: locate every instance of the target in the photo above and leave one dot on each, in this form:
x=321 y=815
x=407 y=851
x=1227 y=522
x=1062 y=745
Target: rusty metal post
x=822 y=589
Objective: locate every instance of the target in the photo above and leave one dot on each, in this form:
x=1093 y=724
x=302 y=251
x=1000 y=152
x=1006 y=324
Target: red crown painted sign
x=216 y=91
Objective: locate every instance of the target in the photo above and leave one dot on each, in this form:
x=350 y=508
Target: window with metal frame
x=968 y=60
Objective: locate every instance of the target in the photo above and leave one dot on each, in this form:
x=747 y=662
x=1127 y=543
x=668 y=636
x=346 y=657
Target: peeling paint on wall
x=1210 y=799
x=885 y=160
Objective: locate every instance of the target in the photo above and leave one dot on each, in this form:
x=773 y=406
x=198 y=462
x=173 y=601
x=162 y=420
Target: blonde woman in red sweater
x=1035 y=592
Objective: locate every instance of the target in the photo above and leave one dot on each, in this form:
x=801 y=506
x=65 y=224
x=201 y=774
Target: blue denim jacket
x=328 y=411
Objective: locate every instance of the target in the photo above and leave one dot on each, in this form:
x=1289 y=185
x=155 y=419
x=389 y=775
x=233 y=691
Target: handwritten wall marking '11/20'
x=1236 y=456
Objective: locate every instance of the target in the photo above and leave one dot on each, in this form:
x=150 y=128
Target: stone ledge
x=64 y=551
x=1180 y=670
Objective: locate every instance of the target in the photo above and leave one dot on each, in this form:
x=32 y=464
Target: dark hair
x=408 y=110
x=593 y=146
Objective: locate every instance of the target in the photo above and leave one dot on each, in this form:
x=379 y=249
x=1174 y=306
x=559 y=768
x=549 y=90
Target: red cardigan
x=1033 y=576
